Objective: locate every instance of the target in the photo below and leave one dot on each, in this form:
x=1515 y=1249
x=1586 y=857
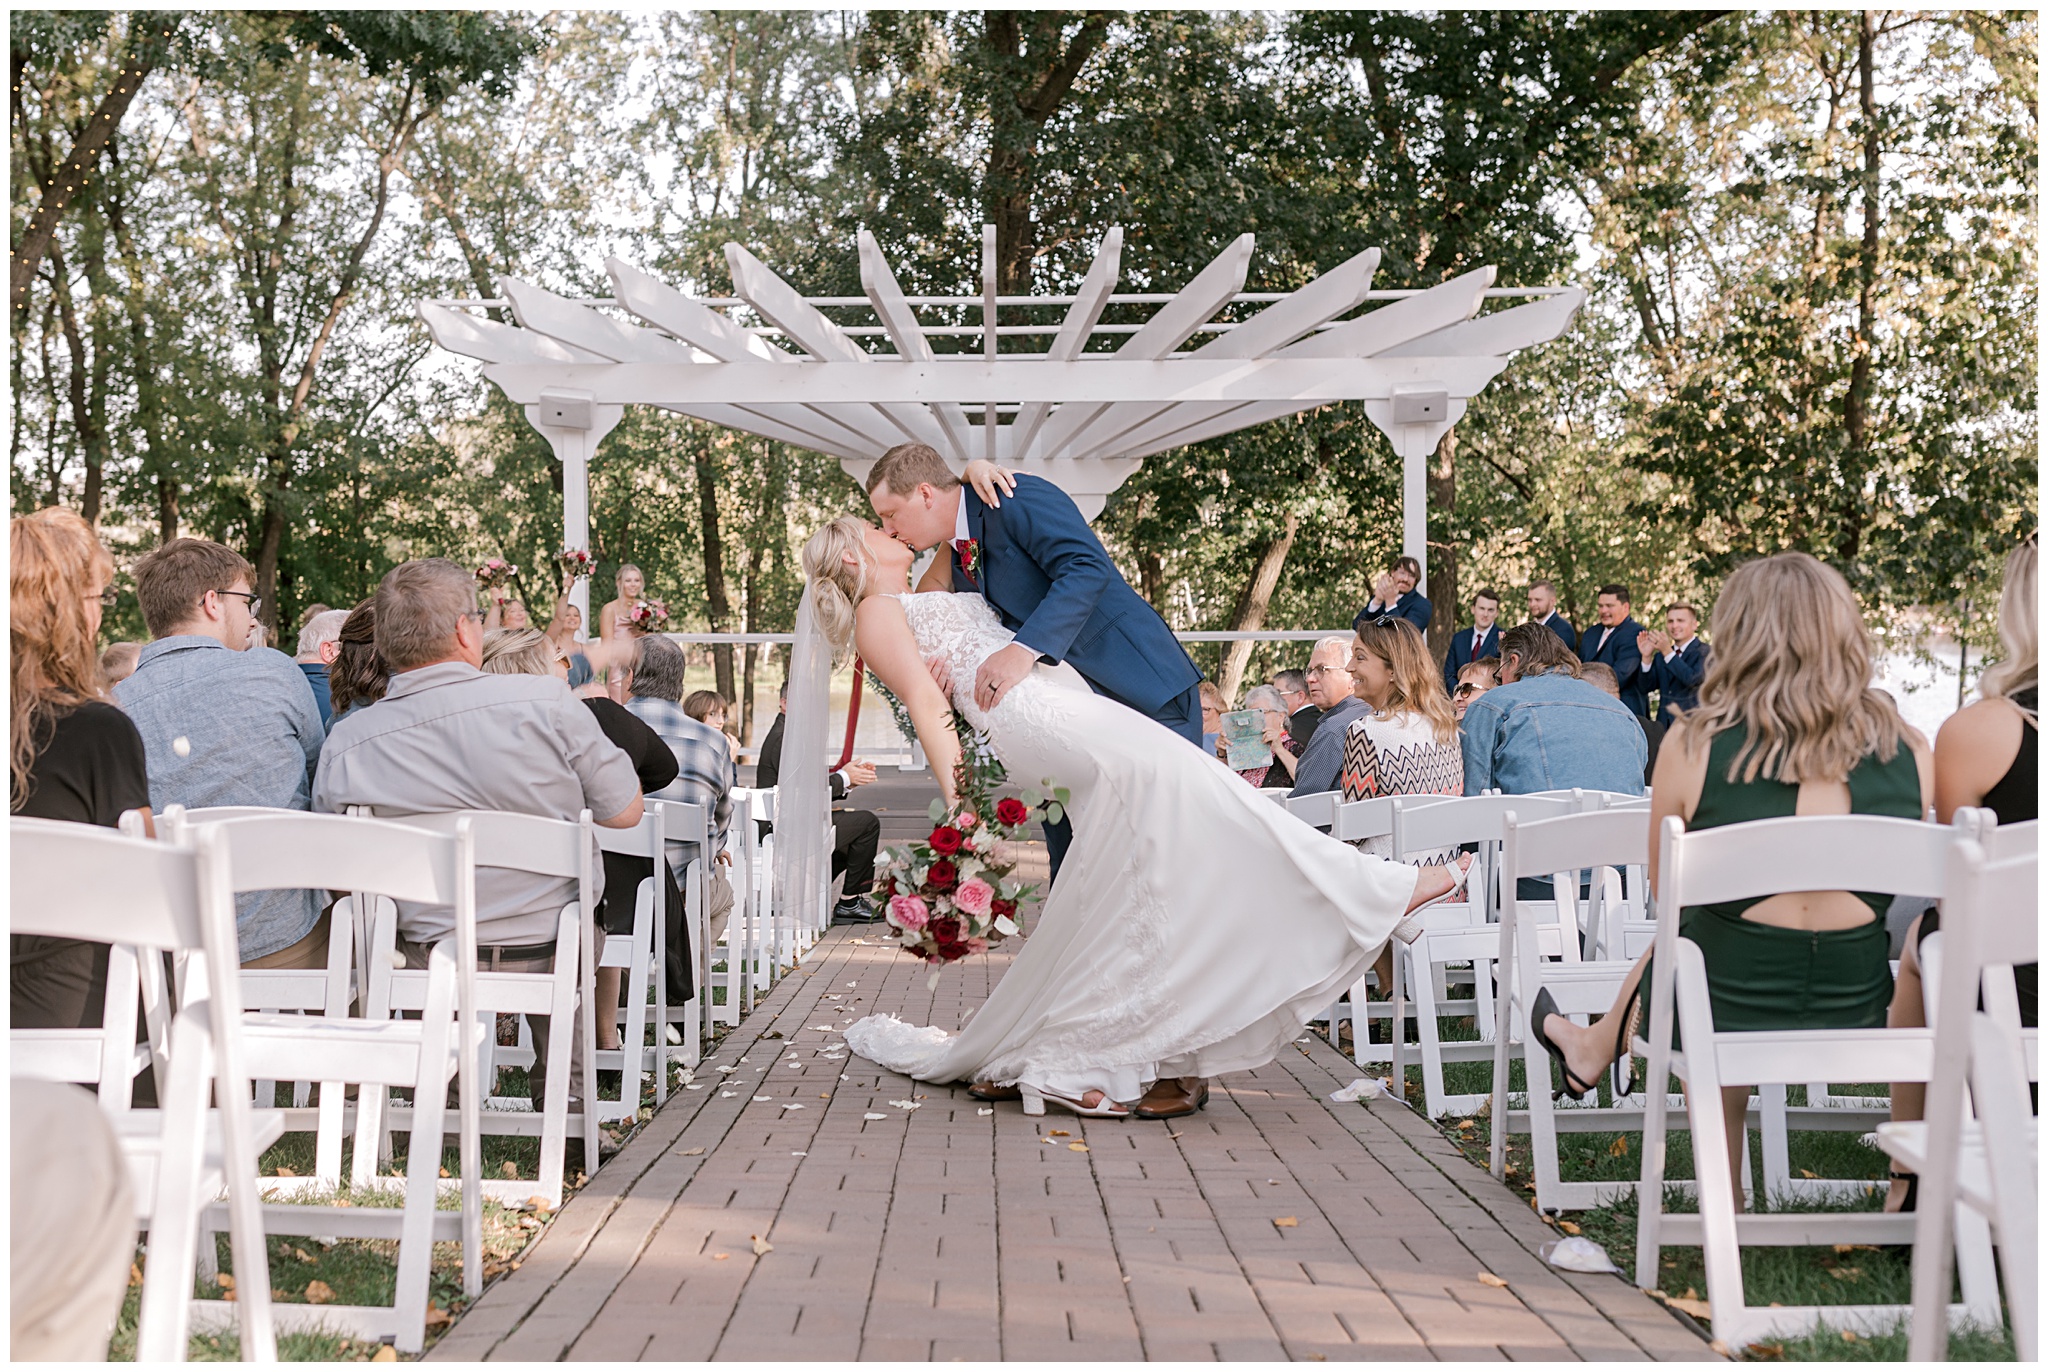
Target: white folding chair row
x=391 y=862
x=1745 y=862
x=1987 y=1163
x=147 y=900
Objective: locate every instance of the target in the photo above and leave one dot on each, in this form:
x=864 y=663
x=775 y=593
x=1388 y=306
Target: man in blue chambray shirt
x=225 y=724
x=706 y=770
x=1543 y=729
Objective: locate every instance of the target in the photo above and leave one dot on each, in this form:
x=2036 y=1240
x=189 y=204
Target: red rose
x=1011 y=811
x=944 y=932
x=941 y=875
x=945 y=839
x=1003 y=907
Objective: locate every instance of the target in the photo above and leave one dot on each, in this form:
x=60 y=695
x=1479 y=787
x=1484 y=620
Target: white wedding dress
x=1195 y=925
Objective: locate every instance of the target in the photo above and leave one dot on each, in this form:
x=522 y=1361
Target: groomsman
x=1543 y=610
x=1613 y=641
x=1481 y=640
x=1395 y=594
x=1302 y=713
x=1675 y=661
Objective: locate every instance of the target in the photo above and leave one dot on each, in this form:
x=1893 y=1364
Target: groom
x=1034 y=558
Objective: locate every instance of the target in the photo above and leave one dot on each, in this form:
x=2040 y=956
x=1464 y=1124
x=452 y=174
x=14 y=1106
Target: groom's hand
x=1000 y=671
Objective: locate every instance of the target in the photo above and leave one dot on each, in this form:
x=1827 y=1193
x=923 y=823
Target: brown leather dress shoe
x=1172 y=1097
x=988 y=1090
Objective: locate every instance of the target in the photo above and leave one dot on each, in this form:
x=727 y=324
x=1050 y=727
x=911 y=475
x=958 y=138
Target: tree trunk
x=1856 y=403
x=1044 y=70
x=1442 y=503
x=59 y=190
x=716 y=597
x=148 y=402
x=1250 y=614
x=85 y=373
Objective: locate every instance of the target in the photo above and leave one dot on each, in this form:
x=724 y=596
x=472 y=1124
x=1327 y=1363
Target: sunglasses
x=1467 y=689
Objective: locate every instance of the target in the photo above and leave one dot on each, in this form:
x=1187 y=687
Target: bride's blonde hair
x=837 y=586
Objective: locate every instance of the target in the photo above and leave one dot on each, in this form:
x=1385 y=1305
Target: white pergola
x=1083 y=419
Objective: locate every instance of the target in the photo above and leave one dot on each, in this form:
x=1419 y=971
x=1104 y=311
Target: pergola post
x=573 y=424
x=1416 y=418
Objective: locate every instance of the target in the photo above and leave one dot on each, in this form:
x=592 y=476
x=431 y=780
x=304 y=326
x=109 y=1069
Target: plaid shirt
x=706 y=769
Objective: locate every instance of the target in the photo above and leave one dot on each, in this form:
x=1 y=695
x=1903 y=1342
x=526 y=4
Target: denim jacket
x=1551 y=732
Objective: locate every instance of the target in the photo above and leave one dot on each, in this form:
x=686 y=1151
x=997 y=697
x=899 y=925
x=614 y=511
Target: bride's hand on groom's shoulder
x=986 y=478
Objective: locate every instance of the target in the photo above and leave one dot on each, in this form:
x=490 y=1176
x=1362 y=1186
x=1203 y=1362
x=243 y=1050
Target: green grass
x=1787 y=1276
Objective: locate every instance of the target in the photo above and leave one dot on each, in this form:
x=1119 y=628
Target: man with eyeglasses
x=1329 y=690
x=224 y=723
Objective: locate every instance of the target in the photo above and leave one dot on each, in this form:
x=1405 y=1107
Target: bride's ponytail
x=836 y=586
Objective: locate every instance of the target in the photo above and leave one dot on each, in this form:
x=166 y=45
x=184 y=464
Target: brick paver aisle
x=955 y=1230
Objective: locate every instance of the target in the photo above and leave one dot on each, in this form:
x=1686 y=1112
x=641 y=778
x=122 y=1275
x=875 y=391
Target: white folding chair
x=566 y=995
x=81 y=881
x=289 y=849
x=1749 y=861
x=1988 y=924
x=1318 y=808
x=632 y=954
x=683 y=822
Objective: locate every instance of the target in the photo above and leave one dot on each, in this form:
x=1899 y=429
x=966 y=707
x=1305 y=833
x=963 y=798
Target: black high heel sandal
x=1543 y=1008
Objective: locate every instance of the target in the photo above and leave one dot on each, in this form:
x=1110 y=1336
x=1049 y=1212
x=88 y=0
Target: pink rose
x=908 y=912
x=976 y=945
x=974 y=896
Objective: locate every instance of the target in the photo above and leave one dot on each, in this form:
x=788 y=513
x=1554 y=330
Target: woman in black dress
x=73 y=755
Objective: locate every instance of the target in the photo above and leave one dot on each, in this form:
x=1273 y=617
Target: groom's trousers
x=1183 y=715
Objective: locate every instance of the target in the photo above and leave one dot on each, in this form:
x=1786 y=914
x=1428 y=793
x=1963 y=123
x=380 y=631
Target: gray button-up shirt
x=706 y=771
x=449 y=737
x=253 y=735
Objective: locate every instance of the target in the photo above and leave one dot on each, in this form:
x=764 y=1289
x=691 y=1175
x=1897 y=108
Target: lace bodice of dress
x=964 y=628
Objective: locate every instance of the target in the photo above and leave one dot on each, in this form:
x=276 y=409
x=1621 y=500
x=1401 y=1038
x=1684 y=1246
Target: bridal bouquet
x=575 y=562
x=495 y=573
x=647 y=617
x=951 y=894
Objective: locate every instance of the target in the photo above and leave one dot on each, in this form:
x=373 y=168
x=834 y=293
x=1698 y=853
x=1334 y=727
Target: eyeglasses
x=1382 y=622
x=108 y=598
x=255 y=601
x=1325 y=671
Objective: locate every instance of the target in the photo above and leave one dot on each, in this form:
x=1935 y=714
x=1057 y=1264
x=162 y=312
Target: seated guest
x=1543 y=610
x=706 y=770
x=1675 y=661
x=319 y=641
x=706 y=707
x=1475 y=679
x=1301 y=711
x=117 y=663
x=1602 y=675
x=1395 y=594
x=1330 y=688
x=1543 y=729
x=1987 y=756
x=856 y=834
x=1787 y=724
x=1213 y=706
x=225 y=723
x=73 y=755
x=357 y=675
x=1613 y=641
x=1406 y=744
x=1481 y=640
x=448 y=737
x=529 y=651
x=1280 y=770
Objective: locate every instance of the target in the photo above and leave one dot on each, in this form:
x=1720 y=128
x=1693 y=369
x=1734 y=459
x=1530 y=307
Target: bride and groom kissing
x=1192 y=926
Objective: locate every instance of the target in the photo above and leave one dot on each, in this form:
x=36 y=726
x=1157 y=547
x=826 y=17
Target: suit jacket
x=1050 y=580
x=1624 y=657
x=768 y=771
x=1463 y=650
x=1301 y=725
x=1413 y=607
x=1562 y=627
x=1678 y=681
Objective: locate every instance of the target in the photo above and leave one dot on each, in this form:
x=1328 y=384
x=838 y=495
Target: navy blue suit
x=1678 y=681
x=1562 y=627
x=1413 y=607
x=1622 y=654
x=1463 y=651
x=1050 y=580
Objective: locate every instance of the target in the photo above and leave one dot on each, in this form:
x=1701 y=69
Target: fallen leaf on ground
x=691 y=1153
x=788 y=1104
x=1173 y=1136
x=1059 y=1133
x=301 y=1254
x=722 y=1095
x=762 y=1245
x=761 y=1098
x=509 y=1169
x=287 y=1172
x=225 y=1281
x=1848 y=1336
x=1568 y=1226
x=1809 y=1175
x=384 y=1353
x=135 y=1274
x=873 y=1115
x=1287 y=1222
x=436 y=1317
x=1078 y=1147
x=319 y=1293
x=984 y=1110
x=1855 y=1248
x=1767 y=1350
x=1716 y=1346
x=906 y=1105
x=720 y=1257
x=1619 y=1148
x=1699 y=1310
x=1488 y=1279
x=1844 y=1273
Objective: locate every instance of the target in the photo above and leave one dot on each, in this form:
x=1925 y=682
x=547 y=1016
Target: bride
x=1195 y=925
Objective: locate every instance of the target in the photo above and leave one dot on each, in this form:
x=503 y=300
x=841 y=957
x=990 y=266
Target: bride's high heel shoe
x=1410 y=927
x=1034 y=1104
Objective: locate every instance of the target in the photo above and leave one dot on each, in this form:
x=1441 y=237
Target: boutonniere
x=969 y=551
